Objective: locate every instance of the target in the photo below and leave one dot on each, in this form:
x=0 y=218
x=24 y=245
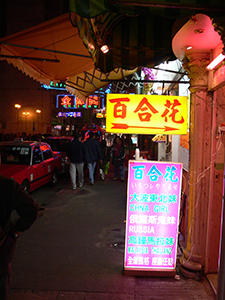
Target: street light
x=26 y=114
x=17 y=106
x=38 y=111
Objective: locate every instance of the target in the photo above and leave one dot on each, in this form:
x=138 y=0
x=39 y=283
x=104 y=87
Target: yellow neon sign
x=146 y=114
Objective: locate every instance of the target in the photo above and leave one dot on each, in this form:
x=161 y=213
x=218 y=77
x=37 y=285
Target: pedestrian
x=118 y=158
x=12 y=198
x=75 y=152
x=93 y=155
x=105 y=159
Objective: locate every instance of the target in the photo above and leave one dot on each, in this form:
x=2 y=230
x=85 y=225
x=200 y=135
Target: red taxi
x=31 y=164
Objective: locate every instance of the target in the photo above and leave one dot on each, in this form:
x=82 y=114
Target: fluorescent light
x=215 y=62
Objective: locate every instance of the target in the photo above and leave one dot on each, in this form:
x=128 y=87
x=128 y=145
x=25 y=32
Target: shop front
x=206 y=164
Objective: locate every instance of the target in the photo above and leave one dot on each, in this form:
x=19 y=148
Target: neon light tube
x=215 y=62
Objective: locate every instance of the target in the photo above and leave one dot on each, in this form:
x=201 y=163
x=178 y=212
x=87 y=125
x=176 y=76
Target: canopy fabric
x=141 y=41
x=51 y=51
x=138 y=33
x=171 y=9
x=88 y=82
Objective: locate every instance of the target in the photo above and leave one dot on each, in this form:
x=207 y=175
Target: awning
x=51 y=51
x=171 y=9
x=88 y=82
x=138 y=33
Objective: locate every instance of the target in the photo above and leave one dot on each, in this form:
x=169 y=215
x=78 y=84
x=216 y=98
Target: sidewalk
x=76 y=251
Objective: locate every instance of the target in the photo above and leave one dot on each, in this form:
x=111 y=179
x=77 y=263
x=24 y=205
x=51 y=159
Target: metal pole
x=17 y=121
x=46 y=50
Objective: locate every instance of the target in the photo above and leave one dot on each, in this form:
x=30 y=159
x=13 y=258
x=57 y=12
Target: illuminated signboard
x=65 y=101
x=80 y=103
x=92 y=101
x=146 y=114
x=153 y=198
x=72 y=114
x=100 y=116
x=99 y=110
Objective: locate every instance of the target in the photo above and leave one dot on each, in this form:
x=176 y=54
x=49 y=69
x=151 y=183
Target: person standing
x=92 y=153
x=105 y=159
x=12 y=198
x=118 y=158
x=75 y=152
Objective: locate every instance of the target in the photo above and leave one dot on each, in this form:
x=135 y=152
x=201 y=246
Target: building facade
x=16 y=87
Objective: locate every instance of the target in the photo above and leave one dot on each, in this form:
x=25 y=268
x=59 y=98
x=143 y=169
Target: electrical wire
x=201 y=175
x=203 y=99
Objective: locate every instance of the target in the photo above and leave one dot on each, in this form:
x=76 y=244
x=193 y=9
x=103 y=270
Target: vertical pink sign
x=153 y=201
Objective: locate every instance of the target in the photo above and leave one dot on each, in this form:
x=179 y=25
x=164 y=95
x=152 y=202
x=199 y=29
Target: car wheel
x=54 y=178
x=25 y=184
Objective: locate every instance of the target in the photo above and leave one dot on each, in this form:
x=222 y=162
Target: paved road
x=76 y=250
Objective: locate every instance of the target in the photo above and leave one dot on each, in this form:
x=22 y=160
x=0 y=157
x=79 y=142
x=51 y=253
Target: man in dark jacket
x=92 y=153
x=12 y=198
x=75 y=152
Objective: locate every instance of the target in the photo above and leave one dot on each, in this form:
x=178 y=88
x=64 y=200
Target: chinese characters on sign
x=69 y=101
x=71 y=114
x=153 y=198
x=146 y=114
x=93 y=100
x=79 y=102
x=65 y=101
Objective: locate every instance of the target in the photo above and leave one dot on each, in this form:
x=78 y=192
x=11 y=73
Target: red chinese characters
x=143 y=106
x=145 y=110
x=66 y=101
x=120 y=109
x=170 y=107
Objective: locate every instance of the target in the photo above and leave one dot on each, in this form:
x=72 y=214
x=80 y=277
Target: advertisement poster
x=152 y=219
x=146 y=114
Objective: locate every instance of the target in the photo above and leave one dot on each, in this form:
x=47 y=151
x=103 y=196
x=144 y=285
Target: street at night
x=75 y=250
x=136 y=88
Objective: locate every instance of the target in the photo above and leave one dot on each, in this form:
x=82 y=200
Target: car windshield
x=58 y=144
x=18 y=155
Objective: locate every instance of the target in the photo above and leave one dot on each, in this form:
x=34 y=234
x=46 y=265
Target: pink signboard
x=153 y=201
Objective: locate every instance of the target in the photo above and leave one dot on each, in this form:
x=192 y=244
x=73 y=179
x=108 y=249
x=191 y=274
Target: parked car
x=60 y=143
x=31 y=164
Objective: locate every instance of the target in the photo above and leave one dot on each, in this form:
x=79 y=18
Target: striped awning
x=138 y=33
x=89 y=81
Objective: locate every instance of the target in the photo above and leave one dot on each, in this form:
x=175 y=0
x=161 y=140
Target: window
x=47 y=153
x=16 y=155
x=37 y=157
